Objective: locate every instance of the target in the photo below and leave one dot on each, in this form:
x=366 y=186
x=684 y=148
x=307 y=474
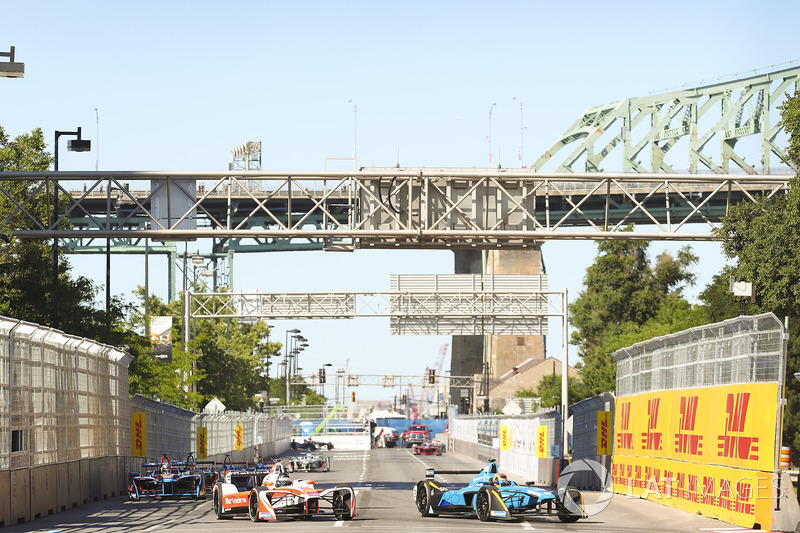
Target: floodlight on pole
x=11 y=68
x=73 y=145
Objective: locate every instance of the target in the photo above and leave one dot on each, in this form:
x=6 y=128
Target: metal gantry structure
x=652 y=128
x=381 y=208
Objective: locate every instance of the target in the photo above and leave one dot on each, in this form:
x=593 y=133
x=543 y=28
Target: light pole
x=286 y=356
x=490 y=133
x=355 y=127
x=521 y=129
x=74 y=145
x=11 y=68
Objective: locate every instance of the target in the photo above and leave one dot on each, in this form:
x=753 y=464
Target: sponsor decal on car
x=234 y=500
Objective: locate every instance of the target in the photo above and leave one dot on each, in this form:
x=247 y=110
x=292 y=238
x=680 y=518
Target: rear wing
x=430 y=472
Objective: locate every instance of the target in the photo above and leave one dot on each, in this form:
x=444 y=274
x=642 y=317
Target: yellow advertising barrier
x=138 y=435
x=603 y=432
x=238 y=436
x=202 y=442
x=541 y=442
x=731 y=425
x=705 y=450
x=505 y=438
x=741 y=497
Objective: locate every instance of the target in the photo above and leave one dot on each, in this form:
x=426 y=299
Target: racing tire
x=422 y=498
x=252 y=506
x=338 y=501
x=217 y=504
x=483 y=505
x=565 y=514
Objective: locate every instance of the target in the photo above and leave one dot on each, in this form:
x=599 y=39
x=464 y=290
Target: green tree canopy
x=626 y=300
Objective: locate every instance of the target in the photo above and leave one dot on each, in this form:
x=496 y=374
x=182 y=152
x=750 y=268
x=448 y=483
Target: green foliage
x=27 y=291
x=549 y=390
x=225 y=358
x=790 y=118
x=626 y=300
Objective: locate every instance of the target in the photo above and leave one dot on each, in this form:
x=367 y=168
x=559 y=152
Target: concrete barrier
x=5 y=498
x=20 y=496
x=44 y=482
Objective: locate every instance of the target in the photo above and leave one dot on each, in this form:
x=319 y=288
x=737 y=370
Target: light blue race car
x=492 y=496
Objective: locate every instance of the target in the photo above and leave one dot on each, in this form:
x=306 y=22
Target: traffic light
x=322 y=375
x=432 y=376
x=353 y=396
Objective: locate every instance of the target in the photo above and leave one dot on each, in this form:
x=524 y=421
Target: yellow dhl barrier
x=741 y=497
x=732 y=425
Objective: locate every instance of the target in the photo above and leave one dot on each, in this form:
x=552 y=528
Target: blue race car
x=492 y=496
x=180 y=479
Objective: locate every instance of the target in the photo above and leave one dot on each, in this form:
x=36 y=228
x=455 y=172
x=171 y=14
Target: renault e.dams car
x=492 y=496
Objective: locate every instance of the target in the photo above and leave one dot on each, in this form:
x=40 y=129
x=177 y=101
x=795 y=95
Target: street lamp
x=74 y=145
x=490 y=133
x=286 y=356
x=10 y=68
x=521 y=129
x=355 y=127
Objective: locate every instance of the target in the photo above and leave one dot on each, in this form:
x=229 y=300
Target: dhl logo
x=603 y=432
x=651 y=440
x=625 y=436
x=737 y=446
x=684 y=441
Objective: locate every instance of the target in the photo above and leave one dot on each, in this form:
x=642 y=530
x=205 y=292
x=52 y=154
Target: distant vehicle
x=430 y=447
x=309 y=462
x=385 y=437
x=418 y=427
x=416 y=437
x=492 y=496
x=174 y=480
x=309 y=444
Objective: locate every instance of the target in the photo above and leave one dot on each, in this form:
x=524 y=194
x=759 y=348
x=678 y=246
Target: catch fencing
x=174 y=431
x=525 y=445
x=64 y=412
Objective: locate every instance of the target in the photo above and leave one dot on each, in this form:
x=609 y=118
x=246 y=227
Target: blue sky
x=178 y=84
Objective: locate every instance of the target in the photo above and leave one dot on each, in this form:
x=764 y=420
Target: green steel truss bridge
x=443 y=208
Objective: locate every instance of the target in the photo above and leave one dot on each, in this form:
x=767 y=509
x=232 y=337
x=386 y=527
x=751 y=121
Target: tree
x=627 y=300
x=763 y=238
x=790 y=118
x=549 y=391
x=27 y=291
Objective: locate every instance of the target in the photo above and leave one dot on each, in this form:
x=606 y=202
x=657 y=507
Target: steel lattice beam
x=386 y=208
x=649 y=127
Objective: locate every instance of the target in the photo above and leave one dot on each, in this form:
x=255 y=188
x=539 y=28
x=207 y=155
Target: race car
x=167 y=480
x=430 y=447
x=232 y=490
x=492 y=496
x=277 y=496
x=309 y=462
x=309 y=444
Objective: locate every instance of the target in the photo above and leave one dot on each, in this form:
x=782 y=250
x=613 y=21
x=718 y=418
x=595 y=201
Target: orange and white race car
x=269 y=494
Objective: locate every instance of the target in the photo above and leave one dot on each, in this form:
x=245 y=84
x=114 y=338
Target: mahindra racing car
x=431 y=447
x=180 y=479
x=492 y=496
x=271 y=494
x=309 y=462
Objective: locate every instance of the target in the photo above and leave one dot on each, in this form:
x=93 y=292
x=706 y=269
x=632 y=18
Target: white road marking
x=338 y=523
x=526 y=525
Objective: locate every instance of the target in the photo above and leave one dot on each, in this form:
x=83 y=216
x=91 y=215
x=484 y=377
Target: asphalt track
x=383 y=479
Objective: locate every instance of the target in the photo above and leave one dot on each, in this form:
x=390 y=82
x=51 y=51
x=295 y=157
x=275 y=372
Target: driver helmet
x=283 y=480
x=165 y=469
x=500 y=480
